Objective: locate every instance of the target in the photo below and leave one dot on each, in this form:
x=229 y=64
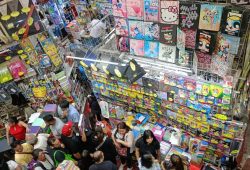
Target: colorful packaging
x=136 y=29
x=137 y=47
x=169 y=13
x=151 y=31
x=121 y=26
x=119 y=8
x=167 y=53
x=151 y=10
x=168 y=34
x=151 y=49
x=135 y=9
x=189 y=15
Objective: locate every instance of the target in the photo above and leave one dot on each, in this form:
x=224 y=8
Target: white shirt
x=48 y=164
x=56 y=129
x=42 y=139
x=97 y=28
x=129 y=137
x=12 y=165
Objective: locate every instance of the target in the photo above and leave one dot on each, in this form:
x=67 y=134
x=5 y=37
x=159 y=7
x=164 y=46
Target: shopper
x=39 y=141
x=44 y=161
x=55 y=125
x=75 y=144
x=23 y=152
x=70 y=112
x=147 y=143
x=86 y=160
x=100 y=164
x=8 y=164
x=16 y=128
x=148 y=162
x=124 y=141
x=95 y=107
x=175 y=163
x=97 y=29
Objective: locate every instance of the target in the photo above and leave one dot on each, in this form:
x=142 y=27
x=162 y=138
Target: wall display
x=135 y=9
x=167 y=53
x=136 y=29
x=151 y=49
x=121 y=26
x=169 y=12
x=181 y=39
x=122 y=43
x=190 y=38
x=119 y=8
x=205 y=41
x=189 y=15
x=168 y=34
x=151 y=31
x=137 y=47
x=151 y=10
x=210 y=17
x=185 y=58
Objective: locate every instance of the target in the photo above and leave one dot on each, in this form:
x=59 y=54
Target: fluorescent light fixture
x=97 y=61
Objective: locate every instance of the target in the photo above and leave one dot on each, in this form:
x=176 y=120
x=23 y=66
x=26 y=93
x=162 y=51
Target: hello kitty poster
x=136 y=29
x=169 y=12
x=135 y=9
x=151 y=49
x=151 y=31
x=121 y=26
x=119 y=8
x=210 y=17
x=137 y=47
x=167 y=53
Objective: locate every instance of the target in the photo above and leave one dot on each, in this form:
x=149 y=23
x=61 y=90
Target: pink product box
x=159 y=133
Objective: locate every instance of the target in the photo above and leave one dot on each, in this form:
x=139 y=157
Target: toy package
x=190 y=38
x=167 y=53
x=151 y=10
x=136 y=29
x=216 y=90
x=194 y=145
x=135 y=9
x=205 y=41
x=137 y=47
x=122 y=43
x=17 y=69
x=169 y=12
x=190 y=84
x=181 y=39
x=168 y=34
x=121 y=26
x=185 y=58
x=210 y=17
x=151 y=31
x=189 y=15
x=151 y=49
x=119 y=8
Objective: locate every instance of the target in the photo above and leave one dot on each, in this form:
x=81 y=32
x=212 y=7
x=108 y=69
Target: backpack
x=67 y=157
x=33 y=164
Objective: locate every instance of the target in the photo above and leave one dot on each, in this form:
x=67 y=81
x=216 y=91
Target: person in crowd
x=70 y=112
x=95 y=107
x=100 y=164
x=74 y=143
x=55 y=125
x=148 y=162
x=146 y=143
x=97 y=29
x=16 y=128
x=23 y=152
x=8 y=164
x=55 y=144
x=39 y=141
x=86 y=160
x=175 y=163
x=74 y=43
x=44 y=161
x=105 y=144
x=123 y=139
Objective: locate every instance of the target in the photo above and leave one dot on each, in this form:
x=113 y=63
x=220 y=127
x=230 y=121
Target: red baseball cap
x=67 y=128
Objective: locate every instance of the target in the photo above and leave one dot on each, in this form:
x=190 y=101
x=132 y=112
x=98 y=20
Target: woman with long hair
x=175 y=163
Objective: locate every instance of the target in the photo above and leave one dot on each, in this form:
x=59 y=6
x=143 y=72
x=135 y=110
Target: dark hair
x=64 y=104
x=15 y=144
x=3 y=162
x=35 y=153
x=147 y=160
x=59 y=156
x=85 y=153
x=13 y=120
x=98 y=134
x=48 y=118
x=147 y=134
x=51 y=141
x=176 y=162
x=123 y=125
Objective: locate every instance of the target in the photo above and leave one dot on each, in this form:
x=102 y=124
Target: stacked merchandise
x=104 y=7
x=176 y=31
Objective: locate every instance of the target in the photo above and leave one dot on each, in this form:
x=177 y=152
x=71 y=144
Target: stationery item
x=194 y=145
x=121 y=26
x=135 y=9
x=39 y=122
x=151 y=10
x=151 y=31
x=185 y=58
x=164 y=147
x=158 y=133
x=205 y=41
x=167 y=53
x=34 y=130
x=169 y=12
x=204 y=60
x=51 y=108
x=5 y=75
x=136 y=29
x=137 y=47
x=151 y=49
x=119 y=8
x=168 y=34
x=210 y=17
x=104 y=108
x=134 y=71
x=122 y=43
x=33 y=117
x=189 y=15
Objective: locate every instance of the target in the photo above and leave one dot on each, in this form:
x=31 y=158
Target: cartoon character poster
x=151 y=10
x=151 y=31
x=234 y=43
x=222 y=48
x=121 y=26
x=185 y=58
x=190 y=38
x=151 y=49
x=233 y=23
x=181 y=38
x=169 y=13
x=137 y=47
x=136 y=29
x=205 y=41
x=122 y=43
x=135 y=9
x=119 y=8
x=210 y=17
x=189 y=15
x=167 y=53
x=168 y=34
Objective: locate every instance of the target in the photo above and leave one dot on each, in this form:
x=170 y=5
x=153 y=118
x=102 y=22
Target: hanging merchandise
x=134 y=9
x=151 y=31
x=136 y=29
x=122 y=44
x=169 y=12
x=151 y=10
x=205 y=41
x=168 y=34
x=167 y=53
x=119 y=8
x=121 y=27
x=151 y=49
x=136 y=47
x=189 y=15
